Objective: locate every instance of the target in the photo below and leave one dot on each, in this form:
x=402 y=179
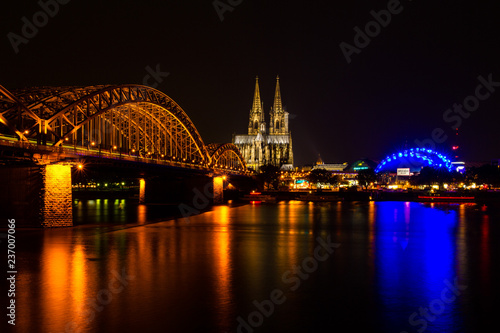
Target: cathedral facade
x=266 y=145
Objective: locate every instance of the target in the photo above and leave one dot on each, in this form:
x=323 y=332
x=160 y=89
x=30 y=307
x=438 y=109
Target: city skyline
x=151 y=182
x=346 y=100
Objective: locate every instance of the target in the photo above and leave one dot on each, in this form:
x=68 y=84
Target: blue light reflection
x=415 y=255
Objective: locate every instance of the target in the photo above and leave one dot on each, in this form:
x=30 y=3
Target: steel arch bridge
x=414 y=158
x=132 y=120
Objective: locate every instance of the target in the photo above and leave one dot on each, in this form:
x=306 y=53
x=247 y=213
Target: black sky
x=394 y=91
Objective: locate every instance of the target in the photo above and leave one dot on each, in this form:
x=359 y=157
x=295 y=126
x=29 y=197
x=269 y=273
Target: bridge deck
x=64 y=152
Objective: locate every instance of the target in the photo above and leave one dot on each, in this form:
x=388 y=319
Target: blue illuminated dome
x=414 y=159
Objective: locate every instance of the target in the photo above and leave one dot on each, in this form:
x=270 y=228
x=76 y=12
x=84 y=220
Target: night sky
x=395 y=90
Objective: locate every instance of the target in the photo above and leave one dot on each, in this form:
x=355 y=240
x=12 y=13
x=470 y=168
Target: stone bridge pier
x=37 y=196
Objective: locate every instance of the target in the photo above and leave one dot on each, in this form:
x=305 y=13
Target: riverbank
x=377 y=195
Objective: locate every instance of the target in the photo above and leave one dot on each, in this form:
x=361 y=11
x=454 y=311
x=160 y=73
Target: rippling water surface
x=288 y=267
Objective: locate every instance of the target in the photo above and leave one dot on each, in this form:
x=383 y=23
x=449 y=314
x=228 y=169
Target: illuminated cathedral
x=263 y=145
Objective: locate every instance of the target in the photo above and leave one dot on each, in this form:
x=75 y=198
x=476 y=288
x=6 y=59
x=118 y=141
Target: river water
x=286 y=267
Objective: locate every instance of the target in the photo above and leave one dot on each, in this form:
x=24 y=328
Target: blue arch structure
x=414 y=158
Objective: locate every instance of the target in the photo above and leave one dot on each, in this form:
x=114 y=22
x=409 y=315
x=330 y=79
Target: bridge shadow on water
x=120 y=211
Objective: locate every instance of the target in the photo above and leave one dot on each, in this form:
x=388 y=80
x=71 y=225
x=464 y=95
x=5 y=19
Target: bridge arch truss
x=226 y=156
x=132 y=119
x=129 y=119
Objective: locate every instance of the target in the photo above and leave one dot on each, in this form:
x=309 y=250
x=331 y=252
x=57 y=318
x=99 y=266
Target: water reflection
x=223 y=266
x=56 y=274
x=119 y=211
x=201 y=274
x=485 y=256
x=142 y=211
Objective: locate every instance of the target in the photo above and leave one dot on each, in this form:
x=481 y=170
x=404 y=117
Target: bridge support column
x=142 y=190
x=36 y=196
x=218 y=190
x=56 y=196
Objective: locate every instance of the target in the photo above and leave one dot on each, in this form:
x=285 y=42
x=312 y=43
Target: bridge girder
x=132 y=119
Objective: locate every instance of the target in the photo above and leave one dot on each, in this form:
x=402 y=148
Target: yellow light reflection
x=288 y=239
x=142 y=214
x=339 y=218
x=371 y=231
x=78 y=284
x=462 y=262
x=56 y=291
x=223 y=264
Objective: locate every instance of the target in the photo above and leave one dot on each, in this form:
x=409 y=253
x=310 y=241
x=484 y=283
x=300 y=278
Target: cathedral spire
x=257 y=103
x=256 y=122
x=278 y=117
x=278 y=106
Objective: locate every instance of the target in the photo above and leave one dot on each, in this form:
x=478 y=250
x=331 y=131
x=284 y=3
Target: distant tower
x=456 y=147
x=278 y=116
x=256 y=123
x=320 y=160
